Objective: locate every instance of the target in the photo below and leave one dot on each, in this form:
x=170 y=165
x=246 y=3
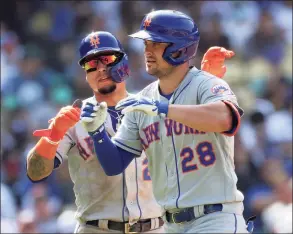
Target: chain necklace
x=118 y=117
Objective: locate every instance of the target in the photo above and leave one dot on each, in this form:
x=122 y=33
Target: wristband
x=51 y=142
x=46 y=148
x=98 y=135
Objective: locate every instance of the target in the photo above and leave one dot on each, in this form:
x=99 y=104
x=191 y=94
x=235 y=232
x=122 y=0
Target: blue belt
x=187 y=214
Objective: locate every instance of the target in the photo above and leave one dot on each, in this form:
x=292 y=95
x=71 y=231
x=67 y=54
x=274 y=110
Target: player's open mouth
x=150 y=62
x=104 y=79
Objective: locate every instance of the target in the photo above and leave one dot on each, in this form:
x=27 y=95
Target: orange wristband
x=46 y=148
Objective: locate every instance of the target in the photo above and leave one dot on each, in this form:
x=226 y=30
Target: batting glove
x=93 y=116
x=144 y=104
x=213 y=60
x=66 y=118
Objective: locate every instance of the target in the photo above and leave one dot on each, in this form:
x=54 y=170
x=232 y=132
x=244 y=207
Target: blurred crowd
x=40 y=74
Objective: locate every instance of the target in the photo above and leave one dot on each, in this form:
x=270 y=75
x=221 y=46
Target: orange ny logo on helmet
x=95 y=41
x=147 y=22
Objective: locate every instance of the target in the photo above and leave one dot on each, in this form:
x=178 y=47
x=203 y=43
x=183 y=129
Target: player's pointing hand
x=93 y=116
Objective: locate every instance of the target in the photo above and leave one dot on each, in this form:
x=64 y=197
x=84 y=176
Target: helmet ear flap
x=177 y=54
x=185 y=53
x=120 y=71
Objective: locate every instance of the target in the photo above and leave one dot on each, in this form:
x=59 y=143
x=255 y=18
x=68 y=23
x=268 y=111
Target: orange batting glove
x=66 y=118
x=213 y=60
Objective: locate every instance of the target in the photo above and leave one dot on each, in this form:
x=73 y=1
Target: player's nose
x=147 y=54
x=101 y=67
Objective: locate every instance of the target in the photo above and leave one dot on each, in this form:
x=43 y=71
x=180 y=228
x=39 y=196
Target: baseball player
x=122 y=203
x=185 y=123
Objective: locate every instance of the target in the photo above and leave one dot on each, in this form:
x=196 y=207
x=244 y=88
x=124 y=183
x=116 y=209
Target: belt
x=140 y=226
x=187 y=214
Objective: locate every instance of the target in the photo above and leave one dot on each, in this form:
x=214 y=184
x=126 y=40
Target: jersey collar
x=184 y=84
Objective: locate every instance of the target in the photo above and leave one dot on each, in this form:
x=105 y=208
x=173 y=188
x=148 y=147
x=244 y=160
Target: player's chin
x=151 y=71
x=107 y=89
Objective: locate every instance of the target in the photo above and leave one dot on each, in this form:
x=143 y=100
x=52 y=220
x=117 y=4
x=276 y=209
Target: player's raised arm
x=214 y=114
x=40 y=159
x=213 y=117
x=219 y=115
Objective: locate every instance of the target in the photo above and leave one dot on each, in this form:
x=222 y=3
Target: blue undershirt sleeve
x=113 y=159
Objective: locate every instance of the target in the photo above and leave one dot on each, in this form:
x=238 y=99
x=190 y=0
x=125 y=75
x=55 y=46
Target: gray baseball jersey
x=123 y=197
x=188 y=167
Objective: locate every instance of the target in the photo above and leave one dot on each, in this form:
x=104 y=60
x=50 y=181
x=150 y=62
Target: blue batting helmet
x=99 y=43
x=173 y=27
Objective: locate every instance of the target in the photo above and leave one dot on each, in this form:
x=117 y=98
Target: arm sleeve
x=127 y=136
x=113 y=159
x=213 y=89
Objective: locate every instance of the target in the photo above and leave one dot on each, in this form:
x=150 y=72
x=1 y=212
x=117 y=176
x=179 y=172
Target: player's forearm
x=38 y=167
x=212 y=117
x=40 y=161
x=113 y=159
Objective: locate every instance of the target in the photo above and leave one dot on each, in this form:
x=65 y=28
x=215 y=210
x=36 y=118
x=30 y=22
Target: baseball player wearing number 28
x=105 y=204
x=185 y=123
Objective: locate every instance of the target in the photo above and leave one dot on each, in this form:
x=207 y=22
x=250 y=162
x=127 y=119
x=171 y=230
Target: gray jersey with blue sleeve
x=188 y=167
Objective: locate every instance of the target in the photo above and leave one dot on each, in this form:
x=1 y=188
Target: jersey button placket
x=172 y=180
x=173 y=187
x=165 y=157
